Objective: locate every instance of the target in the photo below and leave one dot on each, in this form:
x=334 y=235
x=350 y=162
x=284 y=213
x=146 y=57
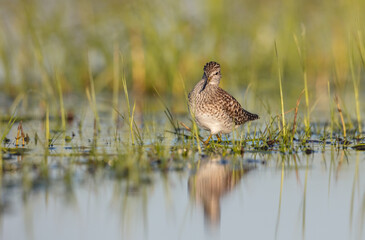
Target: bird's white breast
x=209 y=122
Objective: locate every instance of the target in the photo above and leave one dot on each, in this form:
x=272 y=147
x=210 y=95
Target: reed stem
x=281 y=90
x=116 y=77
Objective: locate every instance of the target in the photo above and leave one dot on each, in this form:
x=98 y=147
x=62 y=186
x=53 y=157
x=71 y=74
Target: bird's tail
x=250 y=116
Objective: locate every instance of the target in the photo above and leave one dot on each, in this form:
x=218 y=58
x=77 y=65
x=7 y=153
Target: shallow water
x=78 y=191
x=322 y=198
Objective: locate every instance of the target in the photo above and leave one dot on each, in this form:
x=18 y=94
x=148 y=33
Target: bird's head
x=212 y=74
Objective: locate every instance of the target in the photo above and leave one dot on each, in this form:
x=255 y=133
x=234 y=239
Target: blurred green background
x=159 y=44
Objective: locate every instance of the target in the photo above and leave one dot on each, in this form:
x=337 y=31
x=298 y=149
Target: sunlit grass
x=281 y=93
x=159 y=41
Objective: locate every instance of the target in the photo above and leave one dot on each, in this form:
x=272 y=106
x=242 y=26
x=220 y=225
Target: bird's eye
x=216 y=73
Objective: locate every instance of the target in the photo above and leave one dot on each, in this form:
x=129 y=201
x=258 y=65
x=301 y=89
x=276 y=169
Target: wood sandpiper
x=213 y=108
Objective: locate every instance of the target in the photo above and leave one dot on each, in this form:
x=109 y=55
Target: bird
x=213 y=108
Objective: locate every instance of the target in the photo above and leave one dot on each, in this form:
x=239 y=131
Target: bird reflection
x=214 y=177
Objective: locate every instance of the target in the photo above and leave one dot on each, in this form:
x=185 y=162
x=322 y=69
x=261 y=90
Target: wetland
x=97 y=140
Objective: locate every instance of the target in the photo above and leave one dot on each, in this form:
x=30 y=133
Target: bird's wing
x=233 y=108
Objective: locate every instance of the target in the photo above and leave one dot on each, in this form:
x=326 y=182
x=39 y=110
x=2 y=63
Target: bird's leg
x=207 y=141
x=219 y=138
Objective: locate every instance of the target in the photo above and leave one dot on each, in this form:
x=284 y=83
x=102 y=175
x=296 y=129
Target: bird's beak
x=205 y=84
